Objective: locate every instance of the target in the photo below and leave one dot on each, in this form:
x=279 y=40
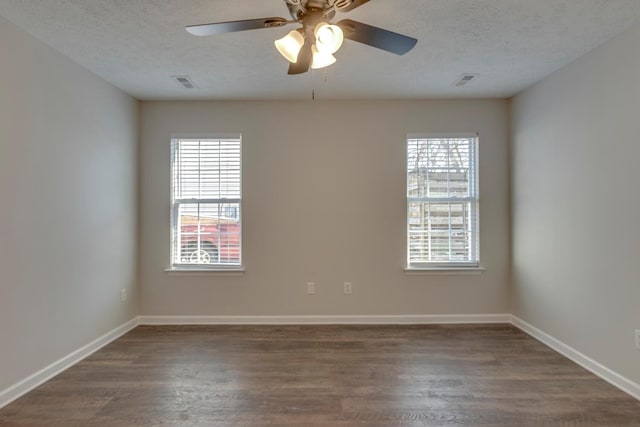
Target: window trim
x=203 y=268
x=453 y=267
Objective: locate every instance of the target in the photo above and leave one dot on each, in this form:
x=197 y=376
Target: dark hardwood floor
x=489 y=375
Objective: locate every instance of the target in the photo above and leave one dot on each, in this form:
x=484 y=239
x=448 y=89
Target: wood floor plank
x=444 y=375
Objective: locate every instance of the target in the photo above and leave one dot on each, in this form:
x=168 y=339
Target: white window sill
x=444 y=270
x=235 y=271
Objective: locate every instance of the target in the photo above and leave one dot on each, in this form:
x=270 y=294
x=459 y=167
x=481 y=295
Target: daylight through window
x=206 y=202
x=442 y=201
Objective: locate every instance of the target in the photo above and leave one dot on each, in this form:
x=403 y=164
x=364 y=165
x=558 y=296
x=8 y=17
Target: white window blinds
x=442 y=201
x=206 y=202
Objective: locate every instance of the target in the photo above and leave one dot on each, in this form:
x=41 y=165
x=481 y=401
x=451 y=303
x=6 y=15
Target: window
x=206 y=200
x=442 y=201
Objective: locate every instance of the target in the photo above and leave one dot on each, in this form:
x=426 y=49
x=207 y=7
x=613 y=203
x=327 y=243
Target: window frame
x=474 y=199
x=213 y=267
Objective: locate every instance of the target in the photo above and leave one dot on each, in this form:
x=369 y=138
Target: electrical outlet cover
x=311 y=288
x=348 y=289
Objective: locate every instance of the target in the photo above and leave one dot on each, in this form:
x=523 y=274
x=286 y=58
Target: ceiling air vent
x=464 y=79
x=184 y=81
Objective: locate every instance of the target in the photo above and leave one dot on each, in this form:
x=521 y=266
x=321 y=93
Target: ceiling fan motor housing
x=313 y=17
x=299 y=8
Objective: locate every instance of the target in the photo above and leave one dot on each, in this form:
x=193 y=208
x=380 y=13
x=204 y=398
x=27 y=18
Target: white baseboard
x=586 y=362
x=32 y=381
x=418 y=319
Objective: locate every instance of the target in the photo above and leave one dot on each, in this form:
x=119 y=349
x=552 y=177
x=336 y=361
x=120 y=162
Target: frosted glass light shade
x=329 y=37
x=321 y=59
x=289 y=46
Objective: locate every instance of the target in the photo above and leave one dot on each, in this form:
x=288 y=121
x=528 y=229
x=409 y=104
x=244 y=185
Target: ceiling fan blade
x=231 y=26
x=377 y=37
x=304 y=59
x=353 y=5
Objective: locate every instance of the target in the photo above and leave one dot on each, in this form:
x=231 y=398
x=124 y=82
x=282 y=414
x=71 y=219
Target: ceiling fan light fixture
x=289 y=46
x=321 y=59
x=313 y=44
x=329 y=37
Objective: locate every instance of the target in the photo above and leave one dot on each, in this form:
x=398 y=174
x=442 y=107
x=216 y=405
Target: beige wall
x=67 y=206
x=324 y=201
x=576 y=204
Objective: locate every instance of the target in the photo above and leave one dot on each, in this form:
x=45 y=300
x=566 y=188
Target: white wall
x=67 y=205
x=324 y=201
x=576 y=204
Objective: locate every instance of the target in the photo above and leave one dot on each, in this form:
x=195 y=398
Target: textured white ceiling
x=137 y=44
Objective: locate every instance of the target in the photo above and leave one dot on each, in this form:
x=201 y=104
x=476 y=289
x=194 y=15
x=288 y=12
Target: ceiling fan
x=314 y=43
